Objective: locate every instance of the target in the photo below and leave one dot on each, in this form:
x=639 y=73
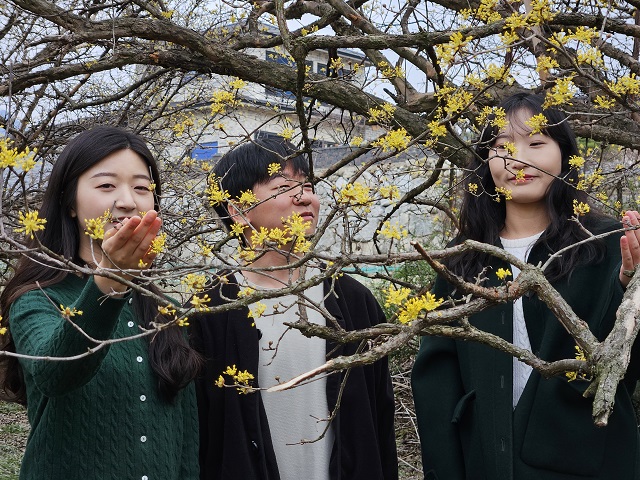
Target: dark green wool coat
x=463 y=391
x=98 y=417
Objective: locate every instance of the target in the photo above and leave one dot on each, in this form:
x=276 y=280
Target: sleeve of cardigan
x=190 y=453
x=39 y=329
x=437 y=389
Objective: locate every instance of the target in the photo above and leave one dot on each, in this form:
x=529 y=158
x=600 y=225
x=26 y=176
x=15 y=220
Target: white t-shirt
x=520 y=248
x=299 y=414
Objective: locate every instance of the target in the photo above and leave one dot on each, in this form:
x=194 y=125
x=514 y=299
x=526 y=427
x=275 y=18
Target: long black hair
x=482 y=217
x=171 y=358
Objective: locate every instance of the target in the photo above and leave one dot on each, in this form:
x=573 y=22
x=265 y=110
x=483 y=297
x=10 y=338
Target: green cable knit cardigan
x=98 y=417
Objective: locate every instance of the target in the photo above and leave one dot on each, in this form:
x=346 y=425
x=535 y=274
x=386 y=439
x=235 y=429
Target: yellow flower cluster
x=507 y=193
x=294 y=230
x=503 y=273
x=257 y=311
x=393 y=140
x=591 y=56
x=241 y=379
x=158 y=243
x=499 y=119
x=546 y=63
x=604 y=103
x=437 y=129
x=576 y=161
x=396 y=296
x=94 y=227
x=247 y=199
x=287 y=133
x=194 y=282
x=357 y=141
x=574 y=375
x=414 y=306
x=561 y=93
x=390 y=192
x=580 y=208
x=30 y=223
x=537 y=123
x=448 y=51
x=69 y=312
x=392 y=231
x=383 y=114
x=221 y=100
x=357 y=195
x=200 y=303
x=540 y=12
x=11 y=157
x=274 y=168
x=472 y=188
x=390 y=72
x=216 y=194
x=626 y=85
x=185 y=121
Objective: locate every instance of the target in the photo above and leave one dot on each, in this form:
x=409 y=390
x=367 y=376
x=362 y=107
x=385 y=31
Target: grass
x=14 y=430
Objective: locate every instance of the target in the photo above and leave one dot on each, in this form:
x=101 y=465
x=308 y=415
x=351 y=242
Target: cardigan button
x=143 y=439
x=144 y=477
x=139 y=359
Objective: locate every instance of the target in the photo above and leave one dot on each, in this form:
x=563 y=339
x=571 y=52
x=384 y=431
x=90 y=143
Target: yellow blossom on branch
x=391 y=192
x=257 y=311
x=247 y=199
x=30 y=223
x=215 y=194
x=472 y=188
x=414 y=306
x=355 y=194
x=158 y=243
x=580 y=208
x=392 y=231
x=561 y=93
x=200 y=303
x=383 y=114
x=94 y=227
x=68 y=312
x=237 y=229
x=394 y=140
x=396 y=296
x=537 y=123
x=507 y=193
x=274 y=168
x=168 y=310
x=574 y=375
x=576 y=161
x=295 y=225
x=437 y=129
x=194 y=282
x=11 y=157
x=503 y=273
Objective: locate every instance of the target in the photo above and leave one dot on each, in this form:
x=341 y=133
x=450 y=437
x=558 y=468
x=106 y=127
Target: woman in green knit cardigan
x=128 y=409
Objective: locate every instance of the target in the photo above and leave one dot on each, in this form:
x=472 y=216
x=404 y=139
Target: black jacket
x=235 y=442
x=463 y=391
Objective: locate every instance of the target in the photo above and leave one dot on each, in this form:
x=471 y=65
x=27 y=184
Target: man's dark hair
x=247 y=165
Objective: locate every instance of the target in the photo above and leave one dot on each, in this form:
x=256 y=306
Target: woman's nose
x=126 y=200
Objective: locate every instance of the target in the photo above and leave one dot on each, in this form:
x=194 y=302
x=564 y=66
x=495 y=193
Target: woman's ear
x=73 y=213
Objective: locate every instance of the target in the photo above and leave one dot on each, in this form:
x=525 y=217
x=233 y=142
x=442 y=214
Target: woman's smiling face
x=522 y=163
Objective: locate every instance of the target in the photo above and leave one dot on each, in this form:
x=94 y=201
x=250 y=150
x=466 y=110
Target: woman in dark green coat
x=483 y=415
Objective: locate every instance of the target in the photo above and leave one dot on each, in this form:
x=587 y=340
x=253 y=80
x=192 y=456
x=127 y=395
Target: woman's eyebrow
x=115 y=175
